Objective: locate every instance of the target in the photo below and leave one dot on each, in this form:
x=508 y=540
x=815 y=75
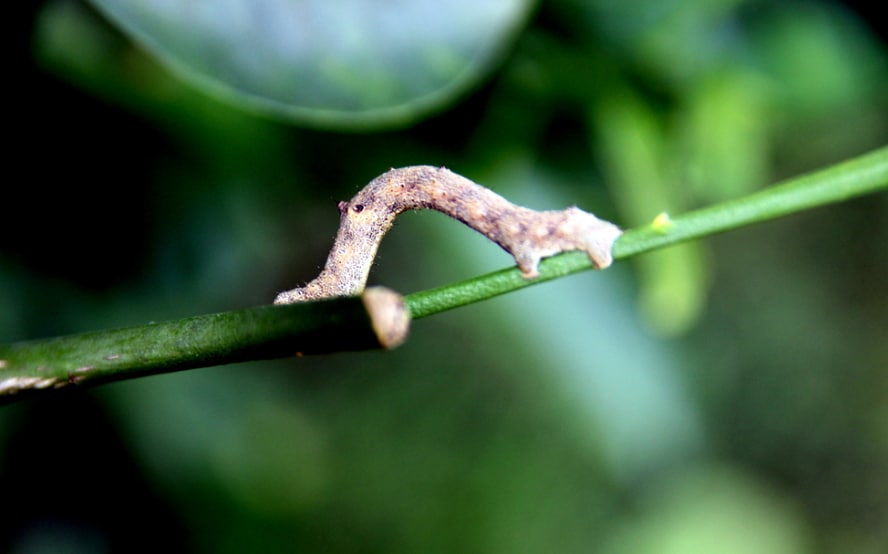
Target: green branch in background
x=380 y=318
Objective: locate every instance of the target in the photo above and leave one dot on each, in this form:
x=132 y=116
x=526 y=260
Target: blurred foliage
x=352 y=63
x=743 y=407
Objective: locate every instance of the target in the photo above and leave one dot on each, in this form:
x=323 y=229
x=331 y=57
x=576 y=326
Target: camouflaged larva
x=526 y=234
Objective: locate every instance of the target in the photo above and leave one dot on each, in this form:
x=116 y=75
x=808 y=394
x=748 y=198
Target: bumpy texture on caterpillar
x=526 y=234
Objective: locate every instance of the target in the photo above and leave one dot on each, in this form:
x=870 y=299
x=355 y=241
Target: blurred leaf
x=637 y=162
x=726 y=125
x=820 y=58
x=346 y=64
x=714 y=509
x=685 y=38
x=74 y=43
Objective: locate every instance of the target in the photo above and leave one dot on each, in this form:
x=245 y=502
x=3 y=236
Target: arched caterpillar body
x=526 y=234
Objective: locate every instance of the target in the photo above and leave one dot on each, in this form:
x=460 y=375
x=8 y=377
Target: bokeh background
x=729 y=395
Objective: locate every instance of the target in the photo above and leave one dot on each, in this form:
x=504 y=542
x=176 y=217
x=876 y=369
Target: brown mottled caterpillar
x=526 y=234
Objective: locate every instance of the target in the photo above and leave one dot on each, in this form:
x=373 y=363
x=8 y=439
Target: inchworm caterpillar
x=526 y=234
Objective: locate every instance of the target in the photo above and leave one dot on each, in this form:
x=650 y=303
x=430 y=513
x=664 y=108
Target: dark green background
x=726 y=396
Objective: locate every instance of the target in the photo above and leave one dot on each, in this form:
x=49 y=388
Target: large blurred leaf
x=343 y=63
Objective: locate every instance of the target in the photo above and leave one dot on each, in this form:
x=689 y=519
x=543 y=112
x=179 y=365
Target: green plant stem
x=263 y=332
x=864 y=174
x=347 y=323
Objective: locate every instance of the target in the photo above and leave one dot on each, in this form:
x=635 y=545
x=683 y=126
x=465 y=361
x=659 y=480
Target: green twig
x=350 y=324
x=376 y=319
x=861 y=175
